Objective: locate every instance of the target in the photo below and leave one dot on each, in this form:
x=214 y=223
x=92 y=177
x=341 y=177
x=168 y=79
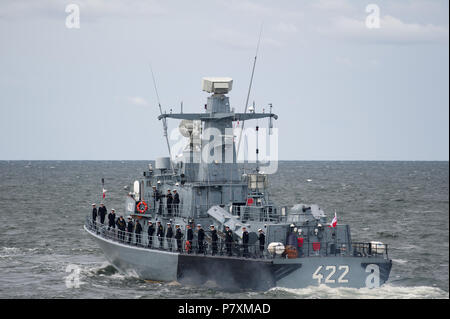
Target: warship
x=257 y=244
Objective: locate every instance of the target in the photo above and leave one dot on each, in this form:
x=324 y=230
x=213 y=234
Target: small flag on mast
x=103 y=188
x=334 y=221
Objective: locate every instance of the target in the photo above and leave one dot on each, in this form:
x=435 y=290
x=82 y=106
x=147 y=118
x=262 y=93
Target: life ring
x=187 y=247
x=141 y=209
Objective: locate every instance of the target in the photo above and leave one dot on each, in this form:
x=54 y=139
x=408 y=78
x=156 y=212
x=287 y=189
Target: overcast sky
x=342 y=91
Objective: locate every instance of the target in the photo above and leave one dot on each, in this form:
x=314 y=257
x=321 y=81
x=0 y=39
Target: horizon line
x=281 y=160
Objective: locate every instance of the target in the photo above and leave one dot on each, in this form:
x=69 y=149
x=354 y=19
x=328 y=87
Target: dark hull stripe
x=226 y=272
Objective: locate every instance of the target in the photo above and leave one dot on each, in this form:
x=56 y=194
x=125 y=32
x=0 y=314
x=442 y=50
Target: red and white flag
x=104 y=193
x=334 y=221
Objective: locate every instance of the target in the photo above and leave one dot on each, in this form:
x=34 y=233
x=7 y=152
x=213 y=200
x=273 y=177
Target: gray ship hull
x=245 y=273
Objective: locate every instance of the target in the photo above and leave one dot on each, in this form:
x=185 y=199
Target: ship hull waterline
x=245 y=273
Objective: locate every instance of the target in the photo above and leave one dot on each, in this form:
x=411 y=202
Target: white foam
x=384 y=292
x=400 y=261
x=15 y=251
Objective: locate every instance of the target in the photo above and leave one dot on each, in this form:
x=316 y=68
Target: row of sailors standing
x=200 y=238
x=172 y=201
x=130 y=228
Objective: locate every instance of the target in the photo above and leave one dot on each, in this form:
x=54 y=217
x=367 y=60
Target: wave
x=399 y=261
x=15 y=251
x=106 y=270
x=384 y=292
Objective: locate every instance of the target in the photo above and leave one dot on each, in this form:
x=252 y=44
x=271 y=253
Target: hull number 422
x=328 y=275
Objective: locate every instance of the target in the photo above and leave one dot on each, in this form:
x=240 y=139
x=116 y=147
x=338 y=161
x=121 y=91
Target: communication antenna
x=270 y=120
x=164 y=120
x=257 y=149
x=249 y=89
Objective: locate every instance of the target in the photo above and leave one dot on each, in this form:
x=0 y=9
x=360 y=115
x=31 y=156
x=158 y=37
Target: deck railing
x=222 y=248
x=245 y=213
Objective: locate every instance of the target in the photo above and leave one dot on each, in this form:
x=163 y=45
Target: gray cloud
x=392 y=30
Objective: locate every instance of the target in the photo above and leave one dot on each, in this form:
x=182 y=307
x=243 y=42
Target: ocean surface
x=43 y=205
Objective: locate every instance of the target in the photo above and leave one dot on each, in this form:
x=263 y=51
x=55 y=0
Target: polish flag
x=104 y=193
x=334 y=221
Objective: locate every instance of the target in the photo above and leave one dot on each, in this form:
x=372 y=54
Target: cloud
x=392 y=31
x=89 y=9
x=137 y=100
x=332 y=5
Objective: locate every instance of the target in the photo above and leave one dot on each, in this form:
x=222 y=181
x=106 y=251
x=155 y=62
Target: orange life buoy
x=187 y=246
x=140 y=208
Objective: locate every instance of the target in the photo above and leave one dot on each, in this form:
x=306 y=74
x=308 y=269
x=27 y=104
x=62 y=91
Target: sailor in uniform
x=245 y=240
x=200 y=238
x=94 y=215
x=158 y=197
x=138 y=230
x=169 y=201
x=121 y=225
x=189 y=238
x=112 y=219
x=169 y=235
x=160 y=233
x=228 y=239
x=178 y=237
x=262 y=241
x=214 y=239
x=176 y=202
x=150 y=231
x=130 y=229
x=102 y=212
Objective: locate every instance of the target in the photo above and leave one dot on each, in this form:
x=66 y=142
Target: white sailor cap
x=176 y=184
x=112 y=209
x=158 y=182
x=169 y=224
x=177 y=224
x=93 y=204
x=174 y=189
x=199 y=225
x=260 y=229
x=129 y=217
x=211 y=226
